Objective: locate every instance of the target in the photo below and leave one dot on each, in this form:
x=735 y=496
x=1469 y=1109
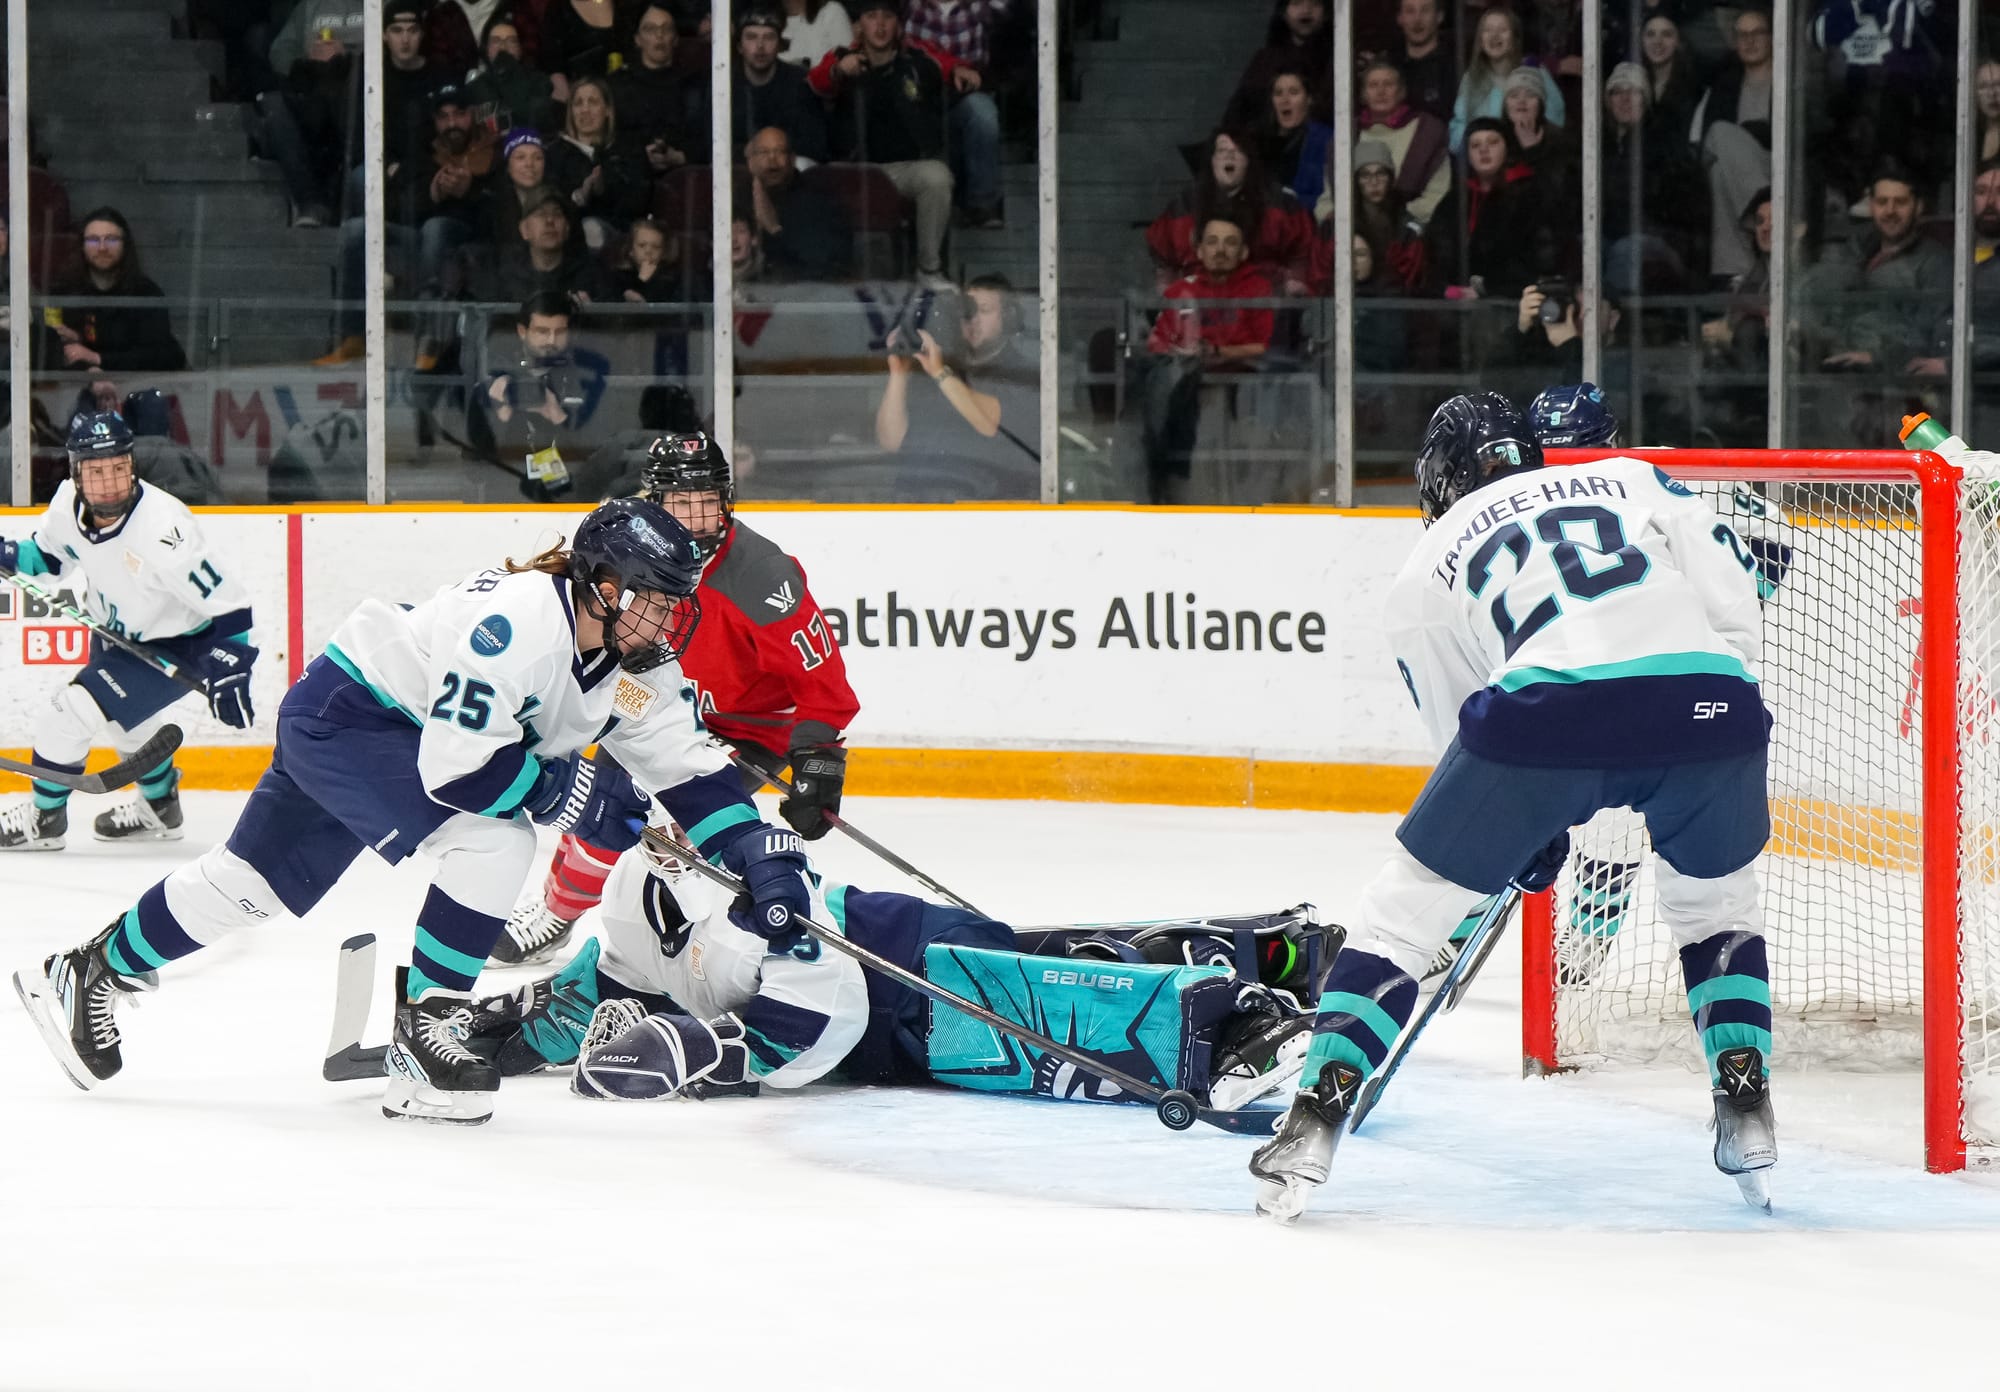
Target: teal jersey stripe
x=346 y=664
x=153 y=960
x=509 y=802
x=767 y=1056
x=1363 y=1009
x=836 y=906
x=717 y=822
x=1720 y=988
x=1333 y=1048
x=461 y=962
x=1657 y=665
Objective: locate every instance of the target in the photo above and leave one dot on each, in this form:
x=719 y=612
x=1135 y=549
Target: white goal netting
x=1842 y=887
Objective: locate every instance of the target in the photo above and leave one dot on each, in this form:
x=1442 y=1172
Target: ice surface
x=218 y=1217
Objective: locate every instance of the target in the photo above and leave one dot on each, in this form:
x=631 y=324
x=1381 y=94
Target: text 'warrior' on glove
x=597 y=801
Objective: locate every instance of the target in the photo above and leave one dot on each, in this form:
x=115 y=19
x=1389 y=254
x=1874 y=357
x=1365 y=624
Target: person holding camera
x=1548 y=329
x=985 y=410
x=526 y=410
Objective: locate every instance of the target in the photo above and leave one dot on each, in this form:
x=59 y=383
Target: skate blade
x=163 y=834
x=1282 y=1200
x=47 y=843
x=403 y=1101
x=54 y=1034
x=1756 y=1188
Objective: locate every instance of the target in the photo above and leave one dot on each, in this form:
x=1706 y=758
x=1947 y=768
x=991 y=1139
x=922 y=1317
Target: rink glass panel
x=1841 y=878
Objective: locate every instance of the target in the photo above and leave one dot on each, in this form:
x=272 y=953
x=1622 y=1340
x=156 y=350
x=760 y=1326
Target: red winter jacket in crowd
x=1225 y=326
x=1281 y=245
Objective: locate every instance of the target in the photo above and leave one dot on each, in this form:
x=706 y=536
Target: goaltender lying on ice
x=680 y=998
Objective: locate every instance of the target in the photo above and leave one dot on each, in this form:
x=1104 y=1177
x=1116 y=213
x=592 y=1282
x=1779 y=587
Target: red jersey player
x=767 y=677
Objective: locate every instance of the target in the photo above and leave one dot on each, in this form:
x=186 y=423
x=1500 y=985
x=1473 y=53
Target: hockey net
x=1881 y=574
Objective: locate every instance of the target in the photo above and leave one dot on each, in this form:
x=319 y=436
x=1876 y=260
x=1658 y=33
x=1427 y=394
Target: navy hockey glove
x=817 y=774
x=597 y=801
x=663 y=1055
x=1540 y=873
x=223 y=665
x=10 y=557
x=772 y=865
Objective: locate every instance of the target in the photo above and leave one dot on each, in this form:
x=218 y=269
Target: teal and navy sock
x=1472 y=918
x=452 y=944
x=1603 y=895
x=149 y=936
x=50 y=796
x=158 y=783
x=1366 y=1003
x=1729 y=991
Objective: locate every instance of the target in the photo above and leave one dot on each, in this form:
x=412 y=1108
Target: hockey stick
x=144 y=652
x=867 y=842
x=1176 y=1109
x=123 y=774
x=1478 y=947
x=353 y=981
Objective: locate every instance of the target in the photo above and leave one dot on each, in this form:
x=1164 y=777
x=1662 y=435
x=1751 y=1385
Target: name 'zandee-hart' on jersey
x=152 y=578
x=452 y=728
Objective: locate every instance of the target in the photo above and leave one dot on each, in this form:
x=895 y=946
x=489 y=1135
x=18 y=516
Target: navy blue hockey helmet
x=1572 y=417
x=636 y=545
x=101 y=435
x=1471 y=441
x=681 y=469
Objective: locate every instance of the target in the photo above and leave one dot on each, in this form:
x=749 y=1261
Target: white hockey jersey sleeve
x=1720 y=566
x=810 y=1010
x=1436 y=666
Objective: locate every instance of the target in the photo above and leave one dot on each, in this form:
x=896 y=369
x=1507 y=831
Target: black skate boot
x=533 y=934
x=71 y=1000
x=1746 y=1129
x=432 y=1075
x=1289 y=1164
x=26 y=827
x=144 y=818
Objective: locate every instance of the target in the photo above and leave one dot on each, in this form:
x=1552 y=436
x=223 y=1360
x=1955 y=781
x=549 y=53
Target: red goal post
x=1882 y=572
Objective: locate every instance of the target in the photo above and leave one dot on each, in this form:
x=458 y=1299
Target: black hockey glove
x=224 y=668
x=1540 y=873
x=818 y=771
x=597 y=801
x=772 y=865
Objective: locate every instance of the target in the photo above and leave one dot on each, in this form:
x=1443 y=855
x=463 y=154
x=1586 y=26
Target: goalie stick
x=1478 y=947
x=144 y=652
x=1176 y=1108
x=353 y=984
x=122 y=774
x=778 y=780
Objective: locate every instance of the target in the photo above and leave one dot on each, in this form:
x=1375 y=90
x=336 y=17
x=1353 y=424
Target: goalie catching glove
x=649 y=1058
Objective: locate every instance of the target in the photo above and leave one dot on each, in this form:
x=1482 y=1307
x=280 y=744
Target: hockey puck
x=1177 y=1109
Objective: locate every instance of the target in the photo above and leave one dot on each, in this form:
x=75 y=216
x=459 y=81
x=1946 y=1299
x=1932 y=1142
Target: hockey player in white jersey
x=153 y=578
x=1575 y=639
x=452 y=728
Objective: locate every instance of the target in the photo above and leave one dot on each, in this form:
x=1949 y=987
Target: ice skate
x=533 y=934
x=1291 y=1163
x=71 y=1000
x=432 y=1075
x=1746 y=1130
x=1259 y=1054
x=144 y=818
x=613 y=1018
x=542 y=1024
x=26 y=827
